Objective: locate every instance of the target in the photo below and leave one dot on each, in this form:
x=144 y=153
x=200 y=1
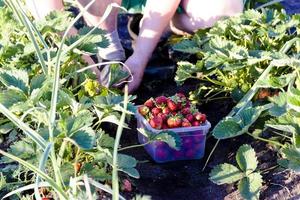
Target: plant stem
x=115 y=179
x=61 y=152
x=210 y=154
x=269 y=169
x=265 y=140
x=134 y=146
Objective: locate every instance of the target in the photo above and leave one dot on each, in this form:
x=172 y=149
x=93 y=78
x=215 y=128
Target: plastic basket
x=193 y=142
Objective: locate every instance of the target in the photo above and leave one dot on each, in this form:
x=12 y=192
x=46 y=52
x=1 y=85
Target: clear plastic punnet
x=193 y=142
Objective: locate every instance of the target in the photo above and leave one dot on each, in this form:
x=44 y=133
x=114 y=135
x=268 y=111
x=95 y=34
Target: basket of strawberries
x=178 y=115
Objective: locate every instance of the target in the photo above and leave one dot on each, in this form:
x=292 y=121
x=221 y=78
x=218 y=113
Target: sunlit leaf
x=225 y=173
x=246 y=159
x=249 y=187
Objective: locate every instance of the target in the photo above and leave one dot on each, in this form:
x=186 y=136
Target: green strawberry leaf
x=131 y=172
x=239 y=124
x=276 y=82
x=227 y=128
x=292 y=155
x=11 y=97
x=293 y=99
x=15 y=79
x=126 y=161
x=246 y=159
x=279 y=104
x=116 y=74
x=187 y=46
x=249 y=187
x=105 y=140
x=84 y=138
x=98 y=174
x=225 y=174
x=169 y=137
x=126 y=164
x=185 y=71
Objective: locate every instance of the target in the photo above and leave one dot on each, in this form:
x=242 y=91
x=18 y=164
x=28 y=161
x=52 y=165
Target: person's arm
x=156 y=17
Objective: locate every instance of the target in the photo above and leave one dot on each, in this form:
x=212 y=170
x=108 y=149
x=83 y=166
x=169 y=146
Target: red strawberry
x=171 y=105
x=190 y=117
x=166 y=110
x=181 y=95
x=165 y=126
x=144 y=110
x=196 y=123
x=163 y=116
x=186 y=123
x=156 y=122
x=174 y=121
x=161 y=100
x=203 y=118
x=179 y=105
x=198 y=116
x=149 y=103
x=185 y=111
x=155 y=111
x=127 y=186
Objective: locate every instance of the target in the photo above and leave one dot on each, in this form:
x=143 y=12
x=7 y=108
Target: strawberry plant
x=52 y=104
x=249 y=180
x=229 y=57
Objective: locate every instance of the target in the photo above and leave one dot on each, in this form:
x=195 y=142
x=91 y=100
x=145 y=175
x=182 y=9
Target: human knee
x=205 y=13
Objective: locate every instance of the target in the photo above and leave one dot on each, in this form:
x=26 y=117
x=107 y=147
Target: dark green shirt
x=137 y=6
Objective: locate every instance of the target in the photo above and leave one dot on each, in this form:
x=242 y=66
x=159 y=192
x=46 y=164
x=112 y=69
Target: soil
x=185 y=180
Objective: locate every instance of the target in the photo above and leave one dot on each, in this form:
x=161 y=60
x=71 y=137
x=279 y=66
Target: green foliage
x=73 y=139
x=250 y=182
x=169 y=137
x=232 y=54
x=225 y=174
x=291 y=155
x=239 y=124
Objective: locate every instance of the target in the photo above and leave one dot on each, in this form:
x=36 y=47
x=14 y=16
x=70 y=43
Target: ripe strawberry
x=196 y=123
x=166 y=110
x=165 y=126
x=144 y=110
x=190 y=117
x=161 y=100
x=174 y=121
x=179 y=105
x=185 y=111
x=203 y=118
x=181 y=95
x=171 y=105
x=186 y=123
x=149 y=103
x=197 y=116
x=156 y=122
x=127 y=186
x=163 y=116
x=155 y=111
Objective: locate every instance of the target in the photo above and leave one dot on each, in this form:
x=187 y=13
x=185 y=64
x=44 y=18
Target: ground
x=185 y=180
